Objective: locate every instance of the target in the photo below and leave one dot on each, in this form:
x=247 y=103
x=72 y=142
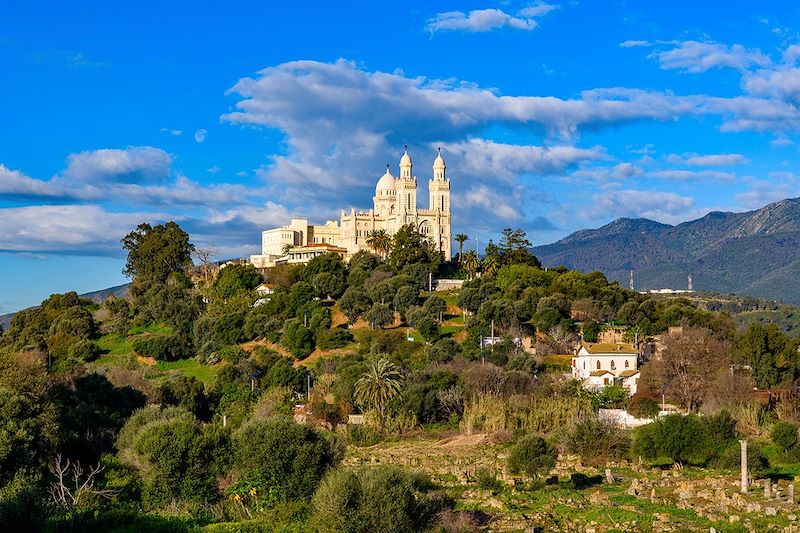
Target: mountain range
x=754 y=253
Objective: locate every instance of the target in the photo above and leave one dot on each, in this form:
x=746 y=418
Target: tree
x=470 y=261
x=234 y=279
x=411 y=247
x=514 y=248
x=281 y=459
x=380 y=241
x=784 y=435
x=405 y=297
x=377 y=386
x=490 y=265
x=155 y=252
x=461 y=238
x=379 y=315
x=354 y=303
x=330 y=285
x=435 y=307
x=688 y=361
x=204 y=256
x=532 y=456
x=381 y=498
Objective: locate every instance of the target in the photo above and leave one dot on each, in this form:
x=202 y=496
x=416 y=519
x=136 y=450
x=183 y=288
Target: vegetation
x=196 y=403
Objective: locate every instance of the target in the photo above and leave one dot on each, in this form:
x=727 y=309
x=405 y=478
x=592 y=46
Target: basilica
x=394 y=205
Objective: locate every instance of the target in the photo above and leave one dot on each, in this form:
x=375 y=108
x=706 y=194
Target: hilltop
x=751 y=253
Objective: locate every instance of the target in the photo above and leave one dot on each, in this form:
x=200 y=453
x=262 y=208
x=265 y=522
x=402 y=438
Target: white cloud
x=172 y=131
x=666 y=207
x=709 y=160
x=633 y=44
x=200 y=136
x=763 y=192
x=15 y=183
x=619 y=171
x=65 y=228
x=700 y=56
x=132 y=165
x=486 y=199
x=482 y=20
x=481 y=157
x=690 y=175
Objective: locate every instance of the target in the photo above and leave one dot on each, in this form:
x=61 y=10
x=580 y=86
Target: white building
x=599 y=365
x=394 y=206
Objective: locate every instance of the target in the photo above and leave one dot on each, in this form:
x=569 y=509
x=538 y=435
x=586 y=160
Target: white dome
x=406 y=159
x=439 y=161
x=386 y=183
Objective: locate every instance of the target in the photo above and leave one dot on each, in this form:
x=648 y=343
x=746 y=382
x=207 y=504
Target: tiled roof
x=628 y=373
x=609 y=348
x=599 y=373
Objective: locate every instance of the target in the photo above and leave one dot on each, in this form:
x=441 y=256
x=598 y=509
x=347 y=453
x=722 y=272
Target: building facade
x=599 y=365
x=394 y=206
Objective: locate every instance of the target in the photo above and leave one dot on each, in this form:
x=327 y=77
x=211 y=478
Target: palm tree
x=471 y=262
x=377 y=386
x=380 y=241
x=461 y=238
x=490 y=264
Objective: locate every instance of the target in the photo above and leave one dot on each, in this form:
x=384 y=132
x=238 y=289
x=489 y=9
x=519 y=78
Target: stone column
x=790 y=493
x=744 y=466
x=609 y=476
x=767 y=486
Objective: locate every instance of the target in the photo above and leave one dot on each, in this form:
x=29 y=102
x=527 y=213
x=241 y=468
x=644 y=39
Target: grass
x=113 y=345
x=150 y=328
x=191 y=368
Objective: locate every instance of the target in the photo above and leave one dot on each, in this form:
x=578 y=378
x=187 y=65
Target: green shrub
x=532 y=456
x=643 y=407
x=232 y=354
x=731 y=456
x=388 y=499
x=610 y=397
x=330 y=339
x=596 y=441
x=487 y=479
x=283 y=460
x=84 y=350
x=362 y=435
x=298 y=338
x=679 y=438
x=784 y=435
x=165 y=347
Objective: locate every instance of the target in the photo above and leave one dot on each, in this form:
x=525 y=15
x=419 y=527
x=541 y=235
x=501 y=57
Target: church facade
x=394 y=205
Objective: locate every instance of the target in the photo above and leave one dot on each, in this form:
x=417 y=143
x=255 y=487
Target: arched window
x=626 y=363
x=584 y=365
x=598 y=365
x=613 y=366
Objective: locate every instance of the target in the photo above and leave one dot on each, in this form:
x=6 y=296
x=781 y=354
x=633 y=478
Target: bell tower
x=439 y=205
x=406 y=190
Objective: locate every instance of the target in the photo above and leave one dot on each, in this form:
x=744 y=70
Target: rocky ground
x=638 y=498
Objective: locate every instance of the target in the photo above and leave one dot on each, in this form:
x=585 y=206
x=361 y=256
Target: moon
x=200 y=136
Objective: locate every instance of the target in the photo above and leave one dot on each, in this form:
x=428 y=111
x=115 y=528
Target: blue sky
x=230 y=118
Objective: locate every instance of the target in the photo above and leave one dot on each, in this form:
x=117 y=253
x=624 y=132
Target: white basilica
x=395 y=205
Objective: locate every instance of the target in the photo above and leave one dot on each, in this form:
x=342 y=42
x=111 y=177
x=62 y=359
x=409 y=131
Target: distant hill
x=755 y=253
x=96 y=296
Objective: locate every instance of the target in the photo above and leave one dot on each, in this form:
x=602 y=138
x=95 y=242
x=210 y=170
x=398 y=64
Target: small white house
x=598 y=365
x=265 y=290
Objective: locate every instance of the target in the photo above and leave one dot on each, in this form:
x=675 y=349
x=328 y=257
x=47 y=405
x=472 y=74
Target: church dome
x=386 y=183
x=439 y=161
x=406 y=159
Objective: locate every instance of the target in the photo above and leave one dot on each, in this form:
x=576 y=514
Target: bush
x=232 y=354
x=757 y=462
x=165 y=347
x=330 y=339
x=643 y=407
x=610 y=397
x=388 y=499
x=678 y=438
x=362 y=435
x=84 y=350
x=596 y=441
x=784 y=435
x=283 y=460
x=299 y=339
x=532 y=456
x=428 y=328
x=487 y=479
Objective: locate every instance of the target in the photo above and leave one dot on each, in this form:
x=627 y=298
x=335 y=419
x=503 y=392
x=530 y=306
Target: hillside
x=753 y=253
x=96 y=296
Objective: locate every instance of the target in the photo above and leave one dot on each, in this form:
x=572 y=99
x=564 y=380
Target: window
x=584 y=365
x=626 y=363
x=613 y=366
x=598 y=365
x=605 y=381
